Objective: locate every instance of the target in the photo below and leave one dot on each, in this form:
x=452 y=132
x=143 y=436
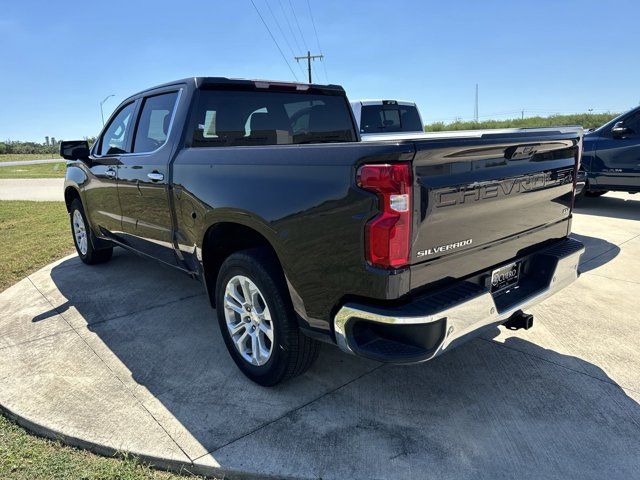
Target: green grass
x=14 y=157
x=26 y=457
x=46 y=170
x=33 y=234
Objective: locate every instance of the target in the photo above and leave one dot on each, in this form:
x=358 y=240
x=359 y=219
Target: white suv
x=387 y=116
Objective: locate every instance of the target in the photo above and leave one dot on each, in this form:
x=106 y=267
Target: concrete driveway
x=38 y=189
x=127 y=356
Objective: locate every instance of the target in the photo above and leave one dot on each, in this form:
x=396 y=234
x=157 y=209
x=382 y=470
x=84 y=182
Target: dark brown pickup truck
x=396 y=249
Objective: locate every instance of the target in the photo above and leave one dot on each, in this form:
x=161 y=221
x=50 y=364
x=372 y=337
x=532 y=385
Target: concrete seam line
x=177 y=466
x=599 y=255
x=610 y=278
x=281 y=417
x=612 y=248
x=612 y=397
x=19 y=344
x=126 y=388
x=134 y=312
x=610 y=382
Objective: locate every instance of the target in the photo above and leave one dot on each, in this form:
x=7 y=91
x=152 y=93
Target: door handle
x=110 y=172
x=155 y=176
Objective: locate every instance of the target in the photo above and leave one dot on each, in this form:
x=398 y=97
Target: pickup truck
x=394 y=250
x=386 y=116
x=611 y=156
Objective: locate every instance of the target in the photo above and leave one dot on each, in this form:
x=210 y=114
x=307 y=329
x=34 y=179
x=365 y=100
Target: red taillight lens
x=388 y=234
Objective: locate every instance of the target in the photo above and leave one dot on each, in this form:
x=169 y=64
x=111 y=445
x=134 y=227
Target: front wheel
x=257 y=320
x=82 y=237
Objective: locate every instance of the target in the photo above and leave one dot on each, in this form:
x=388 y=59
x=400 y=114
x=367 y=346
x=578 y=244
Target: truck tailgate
x=473 y=194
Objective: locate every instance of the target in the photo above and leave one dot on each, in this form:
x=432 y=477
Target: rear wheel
x=82 y=237
x=257 y=320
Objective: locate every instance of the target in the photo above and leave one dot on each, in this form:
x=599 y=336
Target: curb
x=175 y=466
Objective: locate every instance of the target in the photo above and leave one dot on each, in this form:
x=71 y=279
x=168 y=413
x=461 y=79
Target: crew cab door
x=617 y=158
x=143 y=178
x=100 y=192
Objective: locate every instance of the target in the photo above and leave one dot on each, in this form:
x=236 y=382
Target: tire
x=265 y=360
x=595 y=193
x=83 y=237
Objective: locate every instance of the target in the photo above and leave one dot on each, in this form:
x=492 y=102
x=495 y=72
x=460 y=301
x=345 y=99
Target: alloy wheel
x=248 y=320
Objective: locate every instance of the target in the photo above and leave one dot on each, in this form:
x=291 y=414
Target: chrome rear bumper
x=461 y=318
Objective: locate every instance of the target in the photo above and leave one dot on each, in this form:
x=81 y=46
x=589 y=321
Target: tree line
x=18 y=147
x=586 y=120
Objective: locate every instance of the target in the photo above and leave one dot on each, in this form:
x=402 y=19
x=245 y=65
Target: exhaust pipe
x=519 y=320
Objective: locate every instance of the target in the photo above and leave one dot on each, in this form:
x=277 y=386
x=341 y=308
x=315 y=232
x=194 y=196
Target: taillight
x=388 y=234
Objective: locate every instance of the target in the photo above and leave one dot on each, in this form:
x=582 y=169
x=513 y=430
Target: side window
x=115 y=136
x=153 y=126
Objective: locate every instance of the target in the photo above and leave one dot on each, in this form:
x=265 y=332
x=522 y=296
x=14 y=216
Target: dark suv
x=611 y=157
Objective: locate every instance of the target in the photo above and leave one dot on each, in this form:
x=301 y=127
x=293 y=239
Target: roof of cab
x=199 y=82
x=368 y=101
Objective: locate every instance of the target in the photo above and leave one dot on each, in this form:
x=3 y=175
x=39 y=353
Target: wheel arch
x=224 y=238
x=71 y=193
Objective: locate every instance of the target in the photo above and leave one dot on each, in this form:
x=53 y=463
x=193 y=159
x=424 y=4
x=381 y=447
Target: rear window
x=233 y=118
x=389 y=118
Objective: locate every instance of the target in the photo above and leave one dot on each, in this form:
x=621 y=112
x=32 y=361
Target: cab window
x=115 y=136
x=153 y=126
x=227 y=118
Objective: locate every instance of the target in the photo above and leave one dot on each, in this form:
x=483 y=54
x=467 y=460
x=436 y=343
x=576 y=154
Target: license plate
x=505 y=277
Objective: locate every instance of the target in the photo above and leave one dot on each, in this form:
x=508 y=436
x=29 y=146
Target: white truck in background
x=379 y=117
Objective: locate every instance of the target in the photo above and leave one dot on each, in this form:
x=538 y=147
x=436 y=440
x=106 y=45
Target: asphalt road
x=38 y=189
x=20 y=163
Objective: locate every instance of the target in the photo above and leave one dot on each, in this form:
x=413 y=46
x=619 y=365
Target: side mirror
x=620 y=130
x=74 y=150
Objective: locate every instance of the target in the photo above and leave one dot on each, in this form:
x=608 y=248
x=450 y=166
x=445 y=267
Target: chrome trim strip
x=463 y=318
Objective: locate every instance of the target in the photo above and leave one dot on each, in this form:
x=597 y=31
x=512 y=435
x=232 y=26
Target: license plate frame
x=505 y=277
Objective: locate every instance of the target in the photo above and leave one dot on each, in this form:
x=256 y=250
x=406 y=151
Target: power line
x=286 y=17
x=295 y=17
x=274 y=40
x=293 y=54
x=317 y=41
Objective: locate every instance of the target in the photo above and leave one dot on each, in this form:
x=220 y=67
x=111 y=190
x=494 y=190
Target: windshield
x=233 y=118
x=390 y=118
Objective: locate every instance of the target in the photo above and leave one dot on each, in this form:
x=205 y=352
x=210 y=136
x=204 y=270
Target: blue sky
x=59 y=59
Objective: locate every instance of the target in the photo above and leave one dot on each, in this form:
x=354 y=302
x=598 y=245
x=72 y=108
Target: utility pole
x=475 y=112
x=101 y=103
x=522 y=114
x=309 y=57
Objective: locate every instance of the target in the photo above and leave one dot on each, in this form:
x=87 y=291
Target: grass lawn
x=46 y=170
x=14 y=157
x=33 y=234
x=26 y=457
